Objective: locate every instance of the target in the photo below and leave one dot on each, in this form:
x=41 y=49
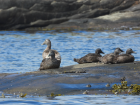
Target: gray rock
x=110 y=3
x=112 y=21
x=60 y=6
x=47 y=81
x=12 y=16
x=133 y=8
x=91 y=14
x=21 y=14
x=40 y=23
x=43 y=6
x=5 y=4
x=123 y=6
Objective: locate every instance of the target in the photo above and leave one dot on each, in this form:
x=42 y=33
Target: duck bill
x=134 y=52
x=121 y=50
x=43 y=43
x=102 y=52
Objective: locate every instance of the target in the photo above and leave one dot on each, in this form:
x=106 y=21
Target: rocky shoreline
x=71 y=79
x=69 y=14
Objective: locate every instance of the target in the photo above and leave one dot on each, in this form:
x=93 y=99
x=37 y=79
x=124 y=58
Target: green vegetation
x=22 y=95
x=53 y=95
x=132 y=89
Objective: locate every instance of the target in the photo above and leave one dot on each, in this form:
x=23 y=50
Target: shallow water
x=74 y=100
x=21 y=51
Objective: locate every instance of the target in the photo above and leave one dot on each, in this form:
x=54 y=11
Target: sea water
x=21 y=51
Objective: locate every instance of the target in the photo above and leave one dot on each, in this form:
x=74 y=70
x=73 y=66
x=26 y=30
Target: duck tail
x=76 y=60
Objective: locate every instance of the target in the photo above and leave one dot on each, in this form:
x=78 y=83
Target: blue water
x=74 y=100
x=21 y=51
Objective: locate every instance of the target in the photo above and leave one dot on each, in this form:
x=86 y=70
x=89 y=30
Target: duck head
x=98 y=51
x=129 y=51
x=46 y=42
x=51 y=54
x=118 y=51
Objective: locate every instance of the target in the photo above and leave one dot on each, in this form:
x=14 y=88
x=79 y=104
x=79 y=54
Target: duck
x=50 y=63
x=89 y=58
x=110 y=58
x=125 y=58
x=48 y=48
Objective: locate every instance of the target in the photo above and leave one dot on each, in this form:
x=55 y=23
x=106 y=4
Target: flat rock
x=66 y=81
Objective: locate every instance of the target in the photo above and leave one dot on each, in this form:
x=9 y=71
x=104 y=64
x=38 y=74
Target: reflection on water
x=22 y=52
x=74 y=100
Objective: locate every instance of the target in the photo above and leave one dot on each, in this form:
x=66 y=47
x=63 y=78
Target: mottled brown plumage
x=50 y=63
x=48 y=48
x=110 y=58
x=89 y=58
x=125 y=58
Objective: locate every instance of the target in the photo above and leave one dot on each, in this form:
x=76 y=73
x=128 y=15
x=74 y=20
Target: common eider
x=48 y=48
x=89 y=58
x=125 y=58
x=50 y=63
x=110 y=58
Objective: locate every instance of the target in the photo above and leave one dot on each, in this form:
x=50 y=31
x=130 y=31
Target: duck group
x=52 y=58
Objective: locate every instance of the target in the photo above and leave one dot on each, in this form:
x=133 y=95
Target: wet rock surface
x=70 y=80
x=69 y=14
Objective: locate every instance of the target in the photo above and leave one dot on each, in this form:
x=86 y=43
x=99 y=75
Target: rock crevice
x=21 y=14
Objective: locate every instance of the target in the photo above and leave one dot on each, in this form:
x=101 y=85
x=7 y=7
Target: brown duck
x=89 y=58
x=50 y=63
x=46 y=51
x=110 y=58
x=125 y=58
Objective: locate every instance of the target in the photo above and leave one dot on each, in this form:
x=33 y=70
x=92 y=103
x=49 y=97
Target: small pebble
x=107 y=85
x=116 y=93
x=86 y=92
x=88 y=85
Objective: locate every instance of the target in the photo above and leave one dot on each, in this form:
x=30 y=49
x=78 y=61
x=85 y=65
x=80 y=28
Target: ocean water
x=21 y=51
x=73 y=100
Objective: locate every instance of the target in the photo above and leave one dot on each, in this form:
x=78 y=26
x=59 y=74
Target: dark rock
x=97 y=12
x=69 y=1
x=44 y=7
x=21 y=14
x=5 y=4
x=91 y=14
x=112 y=21
x=74 y=6
x=94 y=1
x=20 y=26
x=133 y=8
x=40 y=23
x=11 y=16
x=123 y=6
x=60 y=6
x=84 y=8
x=110 y=3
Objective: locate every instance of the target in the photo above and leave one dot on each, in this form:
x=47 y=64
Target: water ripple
x=22 y=52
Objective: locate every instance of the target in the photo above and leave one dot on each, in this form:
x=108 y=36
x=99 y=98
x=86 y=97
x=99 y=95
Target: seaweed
x=53 y=95
x=133 y=89
x=22 y=95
